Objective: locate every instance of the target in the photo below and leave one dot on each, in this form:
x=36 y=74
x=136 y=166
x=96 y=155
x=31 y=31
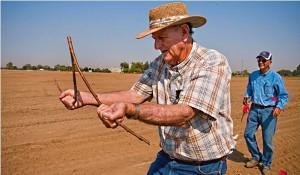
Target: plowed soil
x=40 y=136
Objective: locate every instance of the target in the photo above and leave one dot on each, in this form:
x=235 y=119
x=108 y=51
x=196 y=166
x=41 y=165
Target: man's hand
x=110 y=114
x=276 y=112
x=67 y=98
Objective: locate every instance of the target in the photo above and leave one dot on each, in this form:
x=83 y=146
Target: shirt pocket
x=268 y=90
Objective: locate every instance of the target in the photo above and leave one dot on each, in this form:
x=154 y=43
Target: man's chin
x=167 y=59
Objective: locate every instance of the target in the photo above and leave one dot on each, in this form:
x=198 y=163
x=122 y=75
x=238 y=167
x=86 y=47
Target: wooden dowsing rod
x=75 y=65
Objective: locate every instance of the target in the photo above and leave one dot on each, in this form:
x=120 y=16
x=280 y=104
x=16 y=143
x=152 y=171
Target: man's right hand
x=67 y=97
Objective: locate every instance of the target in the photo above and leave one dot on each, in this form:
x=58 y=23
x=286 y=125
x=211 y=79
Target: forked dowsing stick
x=75 y=65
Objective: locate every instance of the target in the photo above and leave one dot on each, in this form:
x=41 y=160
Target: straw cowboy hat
x=170 y=14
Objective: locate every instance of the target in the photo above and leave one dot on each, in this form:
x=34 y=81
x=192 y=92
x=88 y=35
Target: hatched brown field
x=39 y=136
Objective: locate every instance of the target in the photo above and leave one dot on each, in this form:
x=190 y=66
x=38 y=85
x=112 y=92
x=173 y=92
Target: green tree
x=245 y=73
x=136 y=67
x=9 y=65
x=97 y=70
x=297 y=71
x=46 y=67
x=284 y=72
x=69 y=68
x=27 y=67
x=85 y=69
x=40 y=66
x=59 y=67
x=106 y=70
x=124 y=67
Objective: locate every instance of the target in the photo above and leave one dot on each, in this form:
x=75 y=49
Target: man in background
x=268 y=95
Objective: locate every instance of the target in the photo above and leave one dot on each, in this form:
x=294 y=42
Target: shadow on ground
x=237 y=156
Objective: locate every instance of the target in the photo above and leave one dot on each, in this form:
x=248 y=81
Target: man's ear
x=185 y=31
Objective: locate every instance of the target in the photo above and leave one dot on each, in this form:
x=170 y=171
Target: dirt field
x=39 y=136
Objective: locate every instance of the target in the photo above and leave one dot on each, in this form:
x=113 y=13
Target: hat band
x=165 y=21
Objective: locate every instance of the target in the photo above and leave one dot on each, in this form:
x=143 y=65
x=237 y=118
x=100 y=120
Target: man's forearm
x=114 y=97
x=172 y=115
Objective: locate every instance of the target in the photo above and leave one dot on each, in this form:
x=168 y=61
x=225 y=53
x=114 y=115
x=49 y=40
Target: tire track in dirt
x=106 y=135
x=47 y=122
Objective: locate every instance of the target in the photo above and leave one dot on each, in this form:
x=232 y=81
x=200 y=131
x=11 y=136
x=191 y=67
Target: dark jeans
x=164 y=165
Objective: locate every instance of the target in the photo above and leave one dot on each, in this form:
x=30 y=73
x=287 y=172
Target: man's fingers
x=120 y=120
x=111 y=115
x=68 y=102
x=108 y=118
x=69 y=92
x=103 y=114
x=106 y=124
x=276 y=112
x=67 y=98
x=114 y=115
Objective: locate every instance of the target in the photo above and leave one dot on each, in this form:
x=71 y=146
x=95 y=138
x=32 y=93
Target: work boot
x=252 y=163
x=266 y=171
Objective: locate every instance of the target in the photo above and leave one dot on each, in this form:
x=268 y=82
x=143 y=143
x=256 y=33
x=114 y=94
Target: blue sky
x=104 y=32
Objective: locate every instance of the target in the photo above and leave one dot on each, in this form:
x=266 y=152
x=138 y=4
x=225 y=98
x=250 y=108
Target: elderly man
x=191 y=87
x=268 y=95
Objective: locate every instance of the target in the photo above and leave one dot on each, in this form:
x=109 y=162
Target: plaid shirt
x=201 y=81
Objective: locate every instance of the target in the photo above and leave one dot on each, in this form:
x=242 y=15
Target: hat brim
x=260 y=56
x=195 y=21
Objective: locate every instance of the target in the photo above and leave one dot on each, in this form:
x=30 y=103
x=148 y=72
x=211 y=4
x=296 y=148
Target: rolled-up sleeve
x=209 y=86
x=143 y=87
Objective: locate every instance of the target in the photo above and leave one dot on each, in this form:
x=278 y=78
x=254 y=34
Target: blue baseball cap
x=265 y=54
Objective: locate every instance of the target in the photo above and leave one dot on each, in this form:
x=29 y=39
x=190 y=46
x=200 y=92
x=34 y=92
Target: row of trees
x=289 y=73
x=282 y=72
x=58 y=67
x=243 y=73
x=135 y=67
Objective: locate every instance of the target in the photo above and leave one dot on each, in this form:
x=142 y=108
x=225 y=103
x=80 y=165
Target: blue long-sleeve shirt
x=267 y=89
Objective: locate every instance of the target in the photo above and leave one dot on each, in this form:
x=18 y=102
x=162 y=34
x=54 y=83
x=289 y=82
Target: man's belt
x=192 y=162
x=200 y=162
x=262 y=106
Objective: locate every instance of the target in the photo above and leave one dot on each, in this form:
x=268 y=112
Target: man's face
x=263 y=64
x=170 y=42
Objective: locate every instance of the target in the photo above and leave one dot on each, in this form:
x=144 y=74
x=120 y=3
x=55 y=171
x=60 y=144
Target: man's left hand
x=276 y=112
